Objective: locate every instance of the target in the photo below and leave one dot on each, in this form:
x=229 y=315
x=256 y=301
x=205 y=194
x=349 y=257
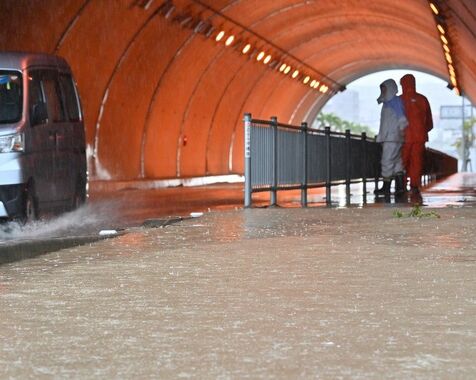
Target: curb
x=29 y=249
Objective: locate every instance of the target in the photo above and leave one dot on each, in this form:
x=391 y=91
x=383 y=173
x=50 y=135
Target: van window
x=36 y=97
x=10 y=96
x=70 y=97
x=53 y=96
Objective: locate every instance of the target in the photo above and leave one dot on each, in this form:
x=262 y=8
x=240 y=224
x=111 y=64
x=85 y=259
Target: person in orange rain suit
x=420 y=122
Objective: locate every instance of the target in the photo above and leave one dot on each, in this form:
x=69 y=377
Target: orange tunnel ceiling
x=163 y=99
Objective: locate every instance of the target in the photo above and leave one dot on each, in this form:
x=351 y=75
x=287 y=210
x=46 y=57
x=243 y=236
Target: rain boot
x=385 y=189
x=400 y=184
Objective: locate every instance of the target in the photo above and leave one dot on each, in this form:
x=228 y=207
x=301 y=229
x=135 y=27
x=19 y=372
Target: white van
x=42 y=139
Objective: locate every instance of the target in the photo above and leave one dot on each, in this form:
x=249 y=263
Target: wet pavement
x=320 y=292
x=119 y=208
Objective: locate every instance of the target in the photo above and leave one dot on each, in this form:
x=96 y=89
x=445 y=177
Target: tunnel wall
x=163 y=100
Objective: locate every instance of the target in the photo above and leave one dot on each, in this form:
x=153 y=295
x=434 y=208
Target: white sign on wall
x=456 y=112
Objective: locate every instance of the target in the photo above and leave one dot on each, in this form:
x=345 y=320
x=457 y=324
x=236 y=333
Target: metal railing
x=439 y=164
x=285 y=157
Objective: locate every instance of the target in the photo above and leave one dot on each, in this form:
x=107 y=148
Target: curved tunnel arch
x=379 y=20
x=336 y=48
x=379 y=24
x=151 y=81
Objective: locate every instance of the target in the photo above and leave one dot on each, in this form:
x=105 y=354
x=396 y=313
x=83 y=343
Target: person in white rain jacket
x=392 y=125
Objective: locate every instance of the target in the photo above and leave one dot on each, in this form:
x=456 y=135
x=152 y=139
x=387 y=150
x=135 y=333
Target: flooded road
x=262 y=293
x=126 y=207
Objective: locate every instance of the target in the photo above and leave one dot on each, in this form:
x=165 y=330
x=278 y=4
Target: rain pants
x=391 y=132
x=420 y=122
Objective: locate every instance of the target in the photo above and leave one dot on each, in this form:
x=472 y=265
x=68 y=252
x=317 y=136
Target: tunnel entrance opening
x=357 y=108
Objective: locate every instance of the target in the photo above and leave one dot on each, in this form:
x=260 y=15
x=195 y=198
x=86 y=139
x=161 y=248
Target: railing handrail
x=279 y=160
x=308 y=129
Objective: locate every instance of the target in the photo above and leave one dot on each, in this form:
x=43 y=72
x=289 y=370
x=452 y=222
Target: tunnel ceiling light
x=229 y=40
x=220 y=36
x=220 y=30
x=208 y=31
x=313 y=83
x=448 y=58
x=445 y=37
x=166 y=9
x=316 y=85
x=246 y=49
x=323 y=89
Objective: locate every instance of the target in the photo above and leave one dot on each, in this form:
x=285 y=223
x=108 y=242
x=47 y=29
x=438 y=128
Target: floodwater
x=129 y=207
x=261 y=293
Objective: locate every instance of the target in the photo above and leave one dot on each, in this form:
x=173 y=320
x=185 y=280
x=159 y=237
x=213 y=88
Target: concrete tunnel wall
x=163 y=101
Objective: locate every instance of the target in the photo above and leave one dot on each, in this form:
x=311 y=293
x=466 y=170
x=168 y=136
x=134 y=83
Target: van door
x=42 y=146
x=60 y=134
x=50 y=138
x=76 y=136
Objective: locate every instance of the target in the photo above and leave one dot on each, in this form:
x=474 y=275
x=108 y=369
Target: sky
x=379 y=77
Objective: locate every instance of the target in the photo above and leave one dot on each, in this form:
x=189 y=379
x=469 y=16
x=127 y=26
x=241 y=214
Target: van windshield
x=10 y=96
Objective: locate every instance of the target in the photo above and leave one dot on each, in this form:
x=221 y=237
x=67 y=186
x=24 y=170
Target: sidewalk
x=261 y=293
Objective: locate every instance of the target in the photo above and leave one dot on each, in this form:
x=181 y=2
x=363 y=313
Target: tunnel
x=164 y=84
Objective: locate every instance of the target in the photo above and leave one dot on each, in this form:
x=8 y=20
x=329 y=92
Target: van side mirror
x=39 y=114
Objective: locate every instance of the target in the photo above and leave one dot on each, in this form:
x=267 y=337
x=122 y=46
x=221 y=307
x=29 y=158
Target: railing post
x=376 y=169
x=304 y=176
x=364 y=167
x=328 y=165
x=274 y=126
x=347 y=166
x=247 y=144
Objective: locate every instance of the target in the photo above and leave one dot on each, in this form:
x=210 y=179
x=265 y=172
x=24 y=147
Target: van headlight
x=12 y=143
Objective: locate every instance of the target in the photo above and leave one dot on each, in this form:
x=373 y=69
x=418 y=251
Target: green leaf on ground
x=416 y=212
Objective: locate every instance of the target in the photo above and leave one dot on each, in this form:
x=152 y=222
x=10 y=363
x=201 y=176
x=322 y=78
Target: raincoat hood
x=391 y=91
x=389 y=98
x=408 y=84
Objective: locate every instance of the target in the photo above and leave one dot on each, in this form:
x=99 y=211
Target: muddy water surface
x=262 y=293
